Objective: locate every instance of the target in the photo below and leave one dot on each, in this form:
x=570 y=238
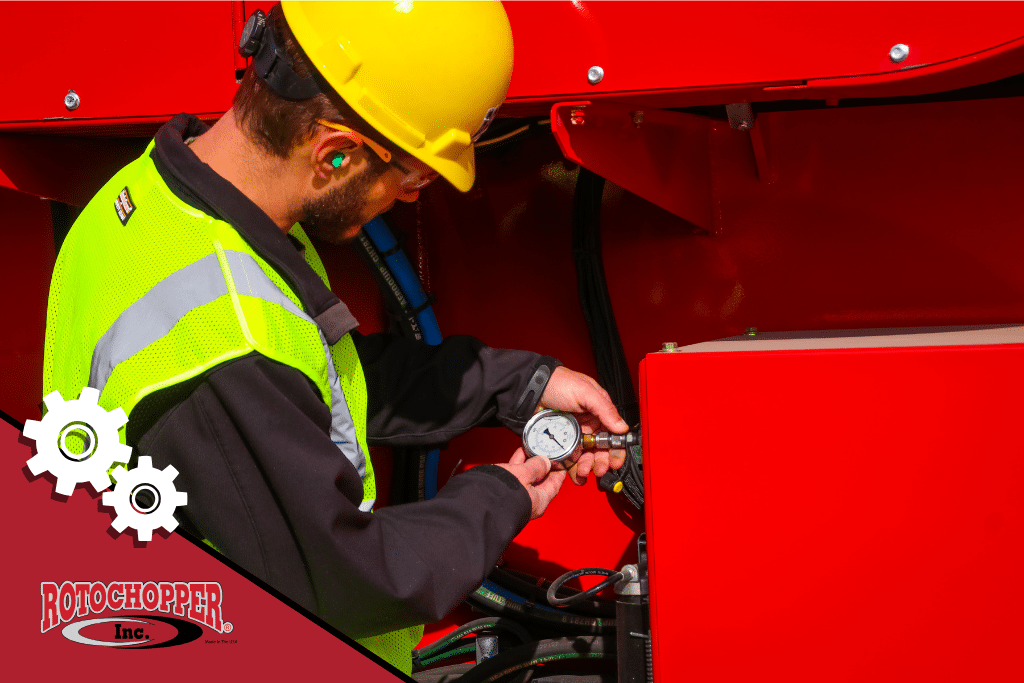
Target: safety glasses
x=413 y=180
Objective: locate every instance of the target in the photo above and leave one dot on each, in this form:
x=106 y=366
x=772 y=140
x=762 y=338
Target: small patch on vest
x=124 y=206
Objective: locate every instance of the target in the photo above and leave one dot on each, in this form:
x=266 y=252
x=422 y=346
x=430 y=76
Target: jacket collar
x=198 y=185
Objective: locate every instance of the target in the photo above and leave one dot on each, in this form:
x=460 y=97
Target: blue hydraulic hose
x=384 y=241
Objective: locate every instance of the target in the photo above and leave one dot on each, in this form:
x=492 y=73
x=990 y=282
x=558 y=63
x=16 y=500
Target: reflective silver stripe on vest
x=154 y=315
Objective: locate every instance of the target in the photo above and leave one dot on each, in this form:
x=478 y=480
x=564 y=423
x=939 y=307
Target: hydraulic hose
x=524 y=584
x=414 y=313
x=447 y=654
x=552 y=595
x=418 y=301
x=543 y=652
x=441 y=645
x=443 y=674
x=492 y=599
x=451 y=674
x=612 y=367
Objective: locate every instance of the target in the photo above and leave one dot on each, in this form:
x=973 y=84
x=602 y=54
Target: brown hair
x=277 y=124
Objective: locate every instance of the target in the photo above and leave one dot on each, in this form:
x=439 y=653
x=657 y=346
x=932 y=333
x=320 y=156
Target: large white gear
x=144 y=498
x=92 y=425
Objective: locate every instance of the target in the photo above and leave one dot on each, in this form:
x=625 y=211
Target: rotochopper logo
x=199 y=602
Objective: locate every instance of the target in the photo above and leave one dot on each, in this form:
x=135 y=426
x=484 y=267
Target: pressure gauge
x=553 y=434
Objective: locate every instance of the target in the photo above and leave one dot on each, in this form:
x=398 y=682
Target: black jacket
x=267 y=486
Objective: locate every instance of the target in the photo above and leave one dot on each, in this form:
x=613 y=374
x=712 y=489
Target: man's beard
x=333 y=216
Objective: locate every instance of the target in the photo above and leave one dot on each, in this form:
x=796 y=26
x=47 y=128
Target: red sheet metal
x=737 y=50
x=669 y=158
x=155 y=59
x=25 y=270
x=122 y=59
x=840 y=515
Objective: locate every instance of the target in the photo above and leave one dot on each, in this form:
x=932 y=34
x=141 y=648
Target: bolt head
x=898 y=52
x=668 y=346
x=72 y=100
x=595 y=75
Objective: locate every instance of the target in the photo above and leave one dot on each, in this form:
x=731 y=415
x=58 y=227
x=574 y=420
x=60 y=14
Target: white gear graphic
x=144 y=498
x=91 y=425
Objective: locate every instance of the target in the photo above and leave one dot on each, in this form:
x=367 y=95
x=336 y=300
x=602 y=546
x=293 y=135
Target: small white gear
x=95 y=428
x=144 y=498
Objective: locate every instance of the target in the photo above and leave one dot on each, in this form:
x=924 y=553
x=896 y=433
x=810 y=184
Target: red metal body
x=123 y=60
x=696 y=53
x=840 y=515
x=831 y=218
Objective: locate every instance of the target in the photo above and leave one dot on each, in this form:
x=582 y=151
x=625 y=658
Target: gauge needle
x=548 y=432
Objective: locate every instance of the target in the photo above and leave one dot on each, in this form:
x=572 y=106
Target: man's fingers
x=583 y=467
x=548 y=489
x=537 y=468
x=605 y=411
x=616 y=458
x=519 y=457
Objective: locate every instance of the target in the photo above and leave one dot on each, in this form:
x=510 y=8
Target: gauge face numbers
x=552 y=434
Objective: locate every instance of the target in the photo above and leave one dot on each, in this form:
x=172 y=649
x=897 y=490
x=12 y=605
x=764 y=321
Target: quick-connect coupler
x=603 y=440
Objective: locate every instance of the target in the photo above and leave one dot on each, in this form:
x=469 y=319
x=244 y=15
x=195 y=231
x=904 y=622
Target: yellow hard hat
x=428 y=75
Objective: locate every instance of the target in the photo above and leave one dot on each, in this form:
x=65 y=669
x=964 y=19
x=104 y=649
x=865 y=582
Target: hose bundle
x=526 y=659
x=612 y=368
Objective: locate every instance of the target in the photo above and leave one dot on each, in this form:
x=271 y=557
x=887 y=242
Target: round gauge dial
x=553 y=434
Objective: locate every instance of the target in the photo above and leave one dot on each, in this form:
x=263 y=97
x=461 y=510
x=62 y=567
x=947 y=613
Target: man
x=189 y=293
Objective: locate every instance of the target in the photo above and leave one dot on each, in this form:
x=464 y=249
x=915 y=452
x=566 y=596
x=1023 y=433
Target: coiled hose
x=552 y=594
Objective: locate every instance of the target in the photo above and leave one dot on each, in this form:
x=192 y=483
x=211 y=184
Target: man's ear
x=332 y=152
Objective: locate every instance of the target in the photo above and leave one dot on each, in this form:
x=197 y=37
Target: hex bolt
x=668 y=346
x=898 y=52
x=72 y=100
x=751 y=332
x=595 y=75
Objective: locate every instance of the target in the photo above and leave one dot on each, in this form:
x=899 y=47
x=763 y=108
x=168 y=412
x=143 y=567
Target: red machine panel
x=846 y=508
x=708 y=46
x=144 y=62
x=124 y=61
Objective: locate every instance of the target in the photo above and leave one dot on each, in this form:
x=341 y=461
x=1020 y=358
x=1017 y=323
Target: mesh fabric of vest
x=105 y=267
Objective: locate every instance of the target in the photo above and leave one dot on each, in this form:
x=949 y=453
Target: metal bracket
x=671 y=159
x=742 y=117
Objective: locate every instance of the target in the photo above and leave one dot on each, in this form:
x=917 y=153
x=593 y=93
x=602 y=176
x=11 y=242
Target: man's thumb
x=537 y=468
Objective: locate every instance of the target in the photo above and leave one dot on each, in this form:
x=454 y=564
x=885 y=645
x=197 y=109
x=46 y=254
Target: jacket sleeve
x=421 y=394
x=268 y=488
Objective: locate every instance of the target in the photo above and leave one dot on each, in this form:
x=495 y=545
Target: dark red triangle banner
x=78 y=594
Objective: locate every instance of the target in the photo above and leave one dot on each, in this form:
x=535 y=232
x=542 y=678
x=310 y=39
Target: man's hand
x=536 y=475
x=577 y=393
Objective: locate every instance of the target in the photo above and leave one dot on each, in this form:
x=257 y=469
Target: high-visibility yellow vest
x=148 y=292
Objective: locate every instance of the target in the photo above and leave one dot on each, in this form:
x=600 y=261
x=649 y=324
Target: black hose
x=458 y=634
x=542 y=652
x=536 y=588
x=443 y=674
x=612 y=367
x=408 y=471
x=489 y=602
x=553 y=599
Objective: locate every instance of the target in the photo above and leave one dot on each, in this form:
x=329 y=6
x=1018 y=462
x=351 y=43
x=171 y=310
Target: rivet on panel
x=898 y=52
